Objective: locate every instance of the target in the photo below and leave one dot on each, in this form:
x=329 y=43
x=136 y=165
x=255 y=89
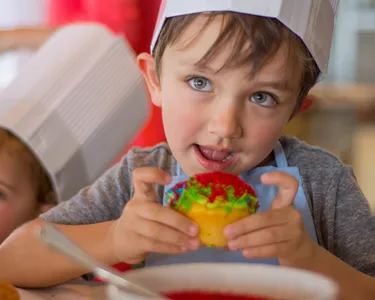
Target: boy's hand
x=279 y=232
x=147 y=226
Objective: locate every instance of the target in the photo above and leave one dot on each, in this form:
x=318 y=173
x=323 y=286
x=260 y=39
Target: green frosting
x=213 y=195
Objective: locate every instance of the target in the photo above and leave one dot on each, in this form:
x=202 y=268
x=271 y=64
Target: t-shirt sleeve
x=354 y=225
x=102 y=201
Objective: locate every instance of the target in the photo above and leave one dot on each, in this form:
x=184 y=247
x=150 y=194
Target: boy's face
x=219 y=120
x=18 y=202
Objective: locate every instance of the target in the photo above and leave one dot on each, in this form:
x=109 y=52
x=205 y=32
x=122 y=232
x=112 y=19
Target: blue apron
x=266 y=194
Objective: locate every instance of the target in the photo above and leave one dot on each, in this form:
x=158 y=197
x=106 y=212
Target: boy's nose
x=225 y=122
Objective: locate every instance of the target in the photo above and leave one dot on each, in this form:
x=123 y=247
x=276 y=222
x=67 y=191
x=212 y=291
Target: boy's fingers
x=256 y=222
x=288 y=187
x=166 y=234
x=170 y=217
x=270 y=235
x=143 y=180
x=152 y=245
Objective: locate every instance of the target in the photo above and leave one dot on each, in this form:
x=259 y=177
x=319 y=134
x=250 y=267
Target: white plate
x=246 y=279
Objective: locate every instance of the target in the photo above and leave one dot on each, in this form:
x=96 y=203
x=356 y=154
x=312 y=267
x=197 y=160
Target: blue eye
x=263 y=99
x=200 y=84
x=2 y=196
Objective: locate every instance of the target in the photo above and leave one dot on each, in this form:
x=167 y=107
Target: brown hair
x=266 y=36
x=41 y=182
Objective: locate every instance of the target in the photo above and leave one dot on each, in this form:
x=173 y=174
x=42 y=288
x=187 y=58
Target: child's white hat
x=311 y=20
x=76 y=104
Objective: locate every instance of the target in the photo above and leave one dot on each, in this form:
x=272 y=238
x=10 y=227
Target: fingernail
x=227 y=232
x=184 y=249
x=193 y=244
x=232 y=245
x=193 y=230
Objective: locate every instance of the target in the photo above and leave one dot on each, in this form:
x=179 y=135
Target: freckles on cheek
x=268 y=133
x=179 y=110
x=262 y=136
x=265 y=131
x=185 y=117
x=184 y=122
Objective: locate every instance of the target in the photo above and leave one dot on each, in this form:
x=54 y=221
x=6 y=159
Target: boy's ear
x=146 y=64
x=307 y=103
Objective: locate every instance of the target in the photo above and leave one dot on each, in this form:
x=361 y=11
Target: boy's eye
x=200 y=84
x=263 y=99
x=2 y=196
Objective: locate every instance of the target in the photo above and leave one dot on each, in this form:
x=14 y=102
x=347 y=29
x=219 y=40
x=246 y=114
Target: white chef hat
x=76 y=104
x=311 y=20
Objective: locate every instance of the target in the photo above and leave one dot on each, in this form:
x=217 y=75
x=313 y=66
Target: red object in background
x=121 y=16
x=197 y=295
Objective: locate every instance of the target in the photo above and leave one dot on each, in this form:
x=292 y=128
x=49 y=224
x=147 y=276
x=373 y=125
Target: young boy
x=45 y=147
x=227 y=83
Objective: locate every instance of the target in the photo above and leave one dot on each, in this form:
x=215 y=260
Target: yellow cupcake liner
x=212 y=221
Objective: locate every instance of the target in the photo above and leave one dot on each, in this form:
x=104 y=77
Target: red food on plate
x=197 y=295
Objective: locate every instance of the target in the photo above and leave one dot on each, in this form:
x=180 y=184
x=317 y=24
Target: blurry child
x=51 y=149
x=25 y=189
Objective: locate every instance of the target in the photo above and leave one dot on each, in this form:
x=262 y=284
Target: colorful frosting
x=214 y=190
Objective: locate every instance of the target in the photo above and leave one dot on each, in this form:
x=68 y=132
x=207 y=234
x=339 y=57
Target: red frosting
x=219 y=181
x=211 y=296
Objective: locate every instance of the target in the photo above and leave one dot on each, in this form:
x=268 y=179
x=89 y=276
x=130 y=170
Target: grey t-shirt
x=342 y=216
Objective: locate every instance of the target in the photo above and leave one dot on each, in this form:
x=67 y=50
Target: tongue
x=214 y=154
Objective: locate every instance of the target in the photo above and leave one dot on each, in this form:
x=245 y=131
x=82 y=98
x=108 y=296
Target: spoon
x=55 y=239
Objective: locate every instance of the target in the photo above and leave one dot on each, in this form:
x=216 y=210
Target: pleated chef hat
x=311 y=20
x=76 y=104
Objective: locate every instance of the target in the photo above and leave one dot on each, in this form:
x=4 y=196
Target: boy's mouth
x=215 y=155
x=213 y=158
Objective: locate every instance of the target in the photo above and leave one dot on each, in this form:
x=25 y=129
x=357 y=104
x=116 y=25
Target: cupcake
x=213 y=201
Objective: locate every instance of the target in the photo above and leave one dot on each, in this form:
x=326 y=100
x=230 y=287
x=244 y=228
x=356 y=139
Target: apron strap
x=280 y=156
x=179 y=170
